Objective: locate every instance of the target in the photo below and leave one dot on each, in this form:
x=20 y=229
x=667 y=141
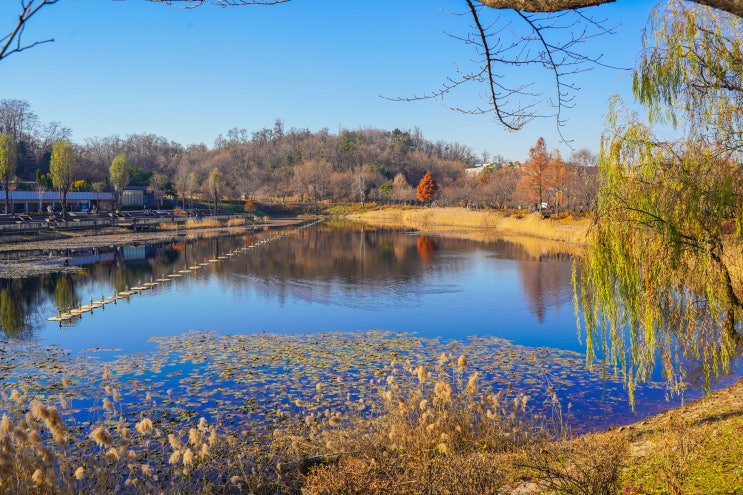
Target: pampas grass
x=425 y=423
x=433 y=430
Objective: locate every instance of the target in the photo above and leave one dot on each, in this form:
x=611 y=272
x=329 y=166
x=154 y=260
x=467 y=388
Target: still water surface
x=313 y=280
x=319 y=279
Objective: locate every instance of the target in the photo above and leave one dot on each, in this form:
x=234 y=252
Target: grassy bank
x=480 y=224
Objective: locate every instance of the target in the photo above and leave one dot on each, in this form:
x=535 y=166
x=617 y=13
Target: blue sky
x=129 y=66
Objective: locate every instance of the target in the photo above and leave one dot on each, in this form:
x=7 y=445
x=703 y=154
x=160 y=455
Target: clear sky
x=130 y=66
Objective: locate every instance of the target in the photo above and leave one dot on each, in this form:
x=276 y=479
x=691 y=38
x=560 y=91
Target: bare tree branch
x=530 y=43
x=189 y=4
x=537 y=48
x=542 y=5
x=732 y=6
x=534 y=6
x=489 y=66
x=13 y=42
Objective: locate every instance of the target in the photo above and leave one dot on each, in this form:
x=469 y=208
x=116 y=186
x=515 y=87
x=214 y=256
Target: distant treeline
x=298 y=164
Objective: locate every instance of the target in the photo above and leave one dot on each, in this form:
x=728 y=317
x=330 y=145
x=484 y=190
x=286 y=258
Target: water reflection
x=22 y=299
x=353 y=274
x=326 y=278
x=545 y=285
x=12 y=310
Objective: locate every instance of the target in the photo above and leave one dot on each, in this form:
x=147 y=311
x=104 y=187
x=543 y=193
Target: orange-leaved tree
x=535 y=175
x=427 y=188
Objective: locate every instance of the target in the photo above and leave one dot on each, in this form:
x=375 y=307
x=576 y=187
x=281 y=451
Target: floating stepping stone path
x=68 y=316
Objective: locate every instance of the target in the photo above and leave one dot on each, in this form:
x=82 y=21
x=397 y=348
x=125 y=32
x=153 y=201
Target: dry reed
x=425 y=428
x=466 y=221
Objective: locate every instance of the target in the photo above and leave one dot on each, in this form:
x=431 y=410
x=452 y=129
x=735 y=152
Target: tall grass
x=191 y=224
x=434 y=429
x=438 y=432
x=458 y=220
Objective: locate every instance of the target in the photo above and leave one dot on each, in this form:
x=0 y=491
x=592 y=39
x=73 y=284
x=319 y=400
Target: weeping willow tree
x=663 y=274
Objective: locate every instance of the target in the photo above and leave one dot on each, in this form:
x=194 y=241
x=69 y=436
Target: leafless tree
x=47 y=134
x=17 y=119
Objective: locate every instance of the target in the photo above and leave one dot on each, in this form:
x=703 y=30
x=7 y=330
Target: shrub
x=588 y=465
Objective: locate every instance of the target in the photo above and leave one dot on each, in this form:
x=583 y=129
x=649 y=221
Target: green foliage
x=119 y=172
x=375 y=167
x=63 y=168
x=43 y=180
x=385 y=190
x=8 y=158
x=401 y=140
x=63 y=165
x=691 y=71
x=663 y=276
x=80 y=185
x=139 y=176
x=8 y=163
x=348 y=143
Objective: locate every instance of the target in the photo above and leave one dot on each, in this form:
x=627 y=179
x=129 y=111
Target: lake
x=223 y=315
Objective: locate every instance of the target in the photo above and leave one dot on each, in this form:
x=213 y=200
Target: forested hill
x=278 y=163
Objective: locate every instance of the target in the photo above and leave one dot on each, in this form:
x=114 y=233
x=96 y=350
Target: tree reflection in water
x=310 y=264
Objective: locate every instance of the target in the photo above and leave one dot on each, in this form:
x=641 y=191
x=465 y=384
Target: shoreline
x=482 y=225
x=33 y=265
x=652 y=441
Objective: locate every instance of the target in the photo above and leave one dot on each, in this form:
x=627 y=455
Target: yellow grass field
x=480 y=224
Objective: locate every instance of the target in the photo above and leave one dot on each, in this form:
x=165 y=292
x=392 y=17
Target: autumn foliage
x=543 y=176
x=427 y=188
x=426 y=247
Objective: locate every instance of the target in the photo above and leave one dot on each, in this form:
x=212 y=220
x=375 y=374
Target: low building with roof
x=27 y=201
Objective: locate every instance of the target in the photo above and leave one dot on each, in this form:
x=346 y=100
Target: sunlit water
x=320 y=279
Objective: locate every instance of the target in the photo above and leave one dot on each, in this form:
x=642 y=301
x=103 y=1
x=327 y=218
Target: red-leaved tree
x=427 y=188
